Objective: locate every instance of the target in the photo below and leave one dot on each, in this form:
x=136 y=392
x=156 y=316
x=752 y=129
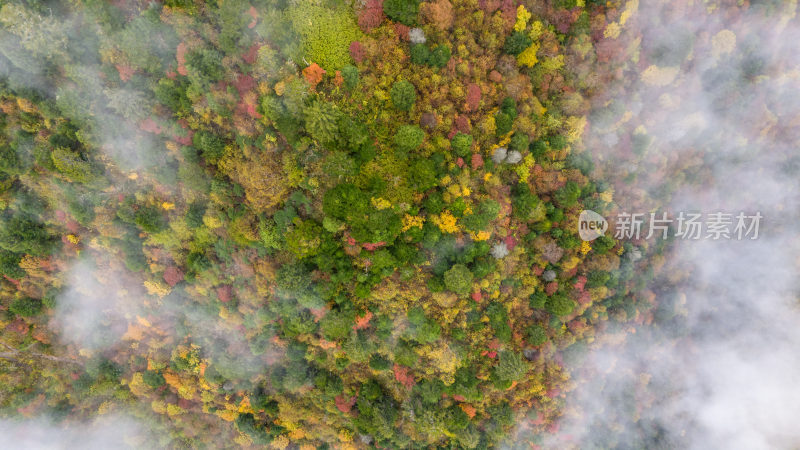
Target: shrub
x=403 y=95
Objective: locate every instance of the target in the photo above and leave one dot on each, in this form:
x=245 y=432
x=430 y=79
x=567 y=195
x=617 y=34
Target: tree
x=350 y=76
x=439 y=13
x=516 y=43
x=371 y=15
x=9 y=264
x=519 y=142
x=420 y=54
x=149 y=219
x=524 y=202
x=461 y=144
x=326 y=33
x=73 y=165
x=422 y=174
x=379 y=362
x=26 y=306
x=21 y=234
x=211 y=146
x=403 y=95
x=458 y=279
x=408 y=138
x=304 y=239
x=440 y=55
x=403 y=11
x=537 y=335
x=423 y=329
x=511 y=366
x=560 y=305
x=480 y=218
x=153 y=378
x=321 y=120
x=568 y=195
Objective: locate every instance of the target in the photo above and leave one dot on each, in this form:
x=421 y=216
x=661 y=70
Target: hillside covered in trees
x=323 y=223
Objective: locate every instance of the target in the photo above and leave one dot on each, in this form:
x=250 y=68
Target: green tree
x=461 y=144
x=326 y=33
x=440 y=55
x=211 y=146
x=568 y=195
x=408 y=138
x=74 y=166
x=537 y=335
x=304 y=239
x=350 y=76
x=403 y=11
x=458 y=279
x=422 y=174
x=26 y=306
x=403 y=95
x=321 y=120
x=21 y=234
x=9 y=264
x=526 y=205
x=516 y=43
x=511 y=366
x=560 y=305
x=420 y=54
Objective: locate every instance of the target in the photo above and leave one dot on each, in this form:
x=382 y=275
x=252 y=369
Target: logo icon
x=591 y=225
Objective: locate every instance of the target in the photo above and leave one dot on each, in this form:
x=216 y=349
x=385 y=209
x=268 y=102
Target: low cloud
x=718 y=366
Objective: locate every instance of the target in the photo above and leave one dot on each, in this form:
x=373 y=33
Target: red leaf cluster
x=357 y=51
x=125 y=71
x=344 y=404
x=173 y=275
x=371 y=15
x=313 y=74
x=401 y=374
x=181 y=57
x=473 y=97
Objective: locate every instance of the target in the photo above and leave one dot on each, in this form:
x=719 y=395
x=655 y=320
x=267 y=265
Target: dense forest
x=324 y=223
